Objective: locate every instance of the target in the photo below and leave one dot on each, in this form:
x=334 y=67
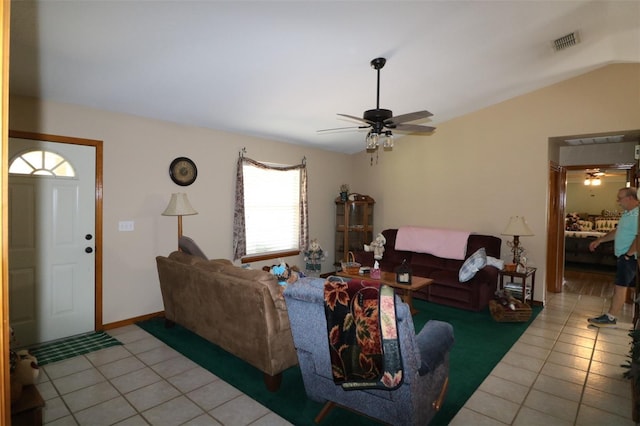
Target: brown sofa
x=473 y=295
x=576 y=250
x=240 y=310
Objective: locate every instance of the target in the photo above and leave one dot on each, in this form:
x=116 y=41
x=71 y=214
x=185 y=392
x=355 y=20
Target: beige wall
x=137 y=153
x=476 y=171
x=472 y=173
x=593 y=199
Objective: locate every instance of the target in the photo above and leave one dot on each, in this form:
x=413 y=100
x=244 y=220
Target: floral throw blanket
x=363 y=338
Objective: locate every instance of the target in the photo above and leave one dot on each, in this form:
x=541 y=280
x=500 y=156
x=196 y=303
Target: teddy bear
x=284 y=273
x=571 y=223
x=377 y=246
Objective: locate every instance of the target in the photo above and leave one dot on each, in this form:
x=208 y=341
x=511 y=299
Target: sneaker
x=602 y=320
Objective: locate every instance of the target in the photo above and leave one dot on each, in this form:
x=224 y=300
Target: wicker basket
x=499 y=313
x=351 y=266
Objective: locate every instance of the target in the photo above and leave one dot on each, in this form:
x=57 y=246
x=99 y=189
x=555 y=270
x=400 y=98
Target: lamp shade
x=179 y=206
x=517 y=226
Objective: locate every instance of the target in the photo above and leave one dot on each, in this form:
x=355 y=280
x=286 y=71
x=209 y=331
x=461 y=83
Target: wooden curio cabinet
x=354 y=225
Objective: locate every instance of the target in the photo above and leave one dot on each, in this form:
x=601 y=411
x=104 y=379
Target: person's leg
x=625 y=276
x=617 y=302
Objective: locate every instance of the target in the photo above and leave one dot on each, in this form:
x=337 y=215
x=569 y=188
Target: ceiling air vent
x=566 y=41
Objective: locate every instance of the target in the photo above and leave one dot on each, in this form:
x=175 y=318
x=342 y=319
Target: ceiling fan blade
x=414 y=128
x=356 y=118
x=335 y=129
x=412 y=116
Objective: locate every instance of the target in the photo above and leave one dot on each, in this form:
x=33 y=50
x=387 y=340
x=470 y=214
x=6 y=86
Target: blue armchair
x=425 y=359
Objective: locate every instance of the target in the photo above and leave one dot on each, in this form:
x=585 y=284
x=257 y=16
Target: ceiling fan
x=382 y=122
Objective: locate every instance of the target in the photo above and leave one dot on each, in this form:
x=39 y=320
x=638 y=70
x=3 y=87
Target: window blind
x=272 y=209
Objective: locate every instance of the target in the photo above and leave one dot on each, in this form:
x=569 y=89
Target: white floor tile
x=173 y=412
x=239 y=411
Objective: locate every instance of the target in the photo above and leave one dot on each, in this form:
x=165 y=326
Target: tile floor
x=559 y=372
x=143 y=382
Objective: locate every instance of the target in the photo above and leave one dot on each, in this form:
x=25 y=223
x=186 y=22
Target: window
x=271 y=210
x=42 y=163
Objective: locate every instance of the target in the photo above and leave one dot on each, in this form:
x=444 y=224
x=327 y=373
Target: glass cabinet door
x=354 y=226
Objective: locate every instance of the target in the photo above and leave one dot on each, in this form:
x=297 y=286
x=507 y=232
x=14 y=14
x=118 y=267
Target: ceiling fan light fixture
x=372 y=140
x=388 y=140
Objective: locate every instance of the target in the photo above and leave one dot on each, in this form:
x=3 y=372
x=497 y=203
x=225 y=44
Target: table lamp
x=179 y=206
x=517 y=228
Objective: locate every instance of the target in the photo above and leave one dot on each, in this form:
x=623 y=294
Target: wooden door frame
x=555 y=226
x=556 y=214
x=97 y=144
x=5 y=343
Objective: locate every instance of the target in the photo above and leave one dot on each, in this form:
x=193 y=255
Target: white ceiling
x=283 y=69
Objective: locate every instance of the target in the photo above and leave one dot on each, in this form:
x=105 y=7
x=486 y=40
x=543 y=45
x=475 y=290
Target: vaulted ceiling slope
x=283 y=69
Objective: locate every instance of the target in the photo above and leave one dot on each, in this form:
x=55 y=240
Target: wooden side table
x=27 y=410
x=523 y=276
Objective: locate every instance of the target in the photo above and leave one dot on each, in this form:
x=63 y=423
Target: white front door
x=52 y=246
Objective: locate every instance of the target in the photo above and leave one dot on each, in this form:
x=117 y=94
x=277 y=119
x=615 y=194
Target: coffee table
x=389 y=278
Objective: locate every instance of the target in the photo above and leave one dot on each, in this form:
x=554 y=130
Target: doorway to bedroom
x=591 y=210
x=583 y=188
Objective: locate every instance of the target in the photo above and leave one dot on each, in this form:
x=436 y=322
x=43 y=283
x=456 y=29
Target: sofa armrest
x=434 y=342
x=488 y=274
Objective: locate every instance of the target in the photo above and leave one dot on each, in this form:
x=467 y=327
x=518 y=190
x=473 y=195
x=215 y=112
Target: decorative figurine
x=377 y=246
x=313 y=256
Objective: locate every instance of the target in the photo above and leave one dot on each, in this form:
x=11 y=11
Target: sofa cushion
x=186 y=258
x=261 y=277
x=606 y=225
x=473 y=264
x=214 y=265
x=490 y=244
x=585 y=225
x=427 y=261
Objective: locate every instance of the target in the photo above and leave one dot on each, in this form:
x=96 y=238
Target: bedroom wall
x=137 y=187
x=476 y=171
x=593 y=199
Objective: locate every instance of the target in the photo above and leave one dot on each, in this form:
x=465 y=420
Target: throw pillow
x=189 y=246
x=473 y=264
x=496 y=263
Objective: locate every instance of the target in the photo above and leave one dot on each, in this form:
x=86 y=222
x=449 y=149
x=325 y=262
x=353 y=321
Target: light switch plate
x=125 y=225
x=637 y=155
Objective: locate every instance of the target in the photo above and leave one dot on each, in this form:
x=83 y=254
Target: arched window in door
x=42 y=163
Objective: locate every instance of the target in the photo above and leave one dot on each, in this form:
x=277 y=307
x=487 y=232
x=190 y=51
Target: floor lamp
x=179 y=206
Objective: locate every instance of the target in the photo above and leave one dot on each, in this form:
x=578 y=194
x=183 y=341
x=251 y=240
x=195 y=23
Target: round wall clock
x=183 y=171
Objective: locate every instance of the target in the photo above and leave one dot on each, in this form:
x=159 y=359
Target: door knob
x=88 y=250
x=88 y=237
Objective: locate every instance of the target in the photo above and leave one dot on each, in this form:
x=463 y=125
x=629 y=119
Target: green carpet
x=480 y=343
x=73 y=346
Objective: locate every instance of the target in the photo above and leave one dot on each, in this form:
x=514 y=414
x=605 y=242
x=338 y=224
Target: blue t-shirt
x=626 y=231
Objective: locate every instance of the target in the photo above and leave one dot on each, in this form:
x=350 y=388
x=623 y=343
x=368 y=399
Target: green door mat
x=73 y=346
